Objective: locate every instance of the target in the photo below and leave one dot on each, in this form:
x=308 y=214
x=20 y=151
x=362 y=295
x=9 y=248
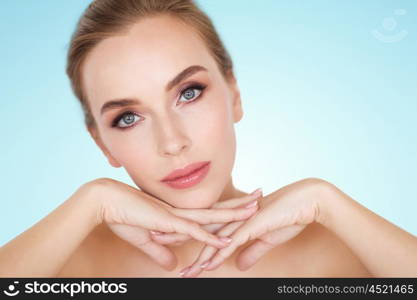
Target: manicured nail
x=184 y=271
x=251 y=204
x=155 y=232
x=226 y=239
x=205 y=264
x=257 y=192
x=209 y=266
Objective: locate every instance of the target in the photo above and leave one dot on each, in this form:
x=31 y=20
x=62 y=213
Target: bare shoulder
x=318 y=252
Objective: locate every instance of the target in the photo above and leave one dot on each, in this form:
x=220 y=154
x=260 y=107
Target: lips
x=189 y=169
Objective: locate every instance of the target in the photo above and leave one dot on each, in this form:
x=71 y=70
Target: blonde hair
x=106 y=18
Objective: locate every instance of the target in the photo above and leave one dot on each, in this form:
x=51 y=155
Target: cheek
x=212 y=124
x=132 y=150
x=140 y=162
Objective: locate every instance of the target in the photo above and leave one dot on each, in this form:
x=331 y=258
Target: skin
x=170 y=134
x=293 y=233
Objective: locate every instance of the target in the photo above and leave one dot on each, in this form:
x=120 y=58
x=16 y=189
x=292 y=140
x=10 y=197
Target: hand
x=282 y=215
x=131 y=213
x=223 y=230
x=179 y=238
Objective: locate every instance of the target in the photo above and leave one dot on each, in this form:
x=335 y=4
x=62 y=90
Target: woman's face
x=163 y=128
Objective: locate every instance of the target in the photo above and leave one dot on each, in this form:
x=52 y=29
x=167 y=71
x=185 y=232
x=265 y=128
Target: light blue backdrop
x=324 y=95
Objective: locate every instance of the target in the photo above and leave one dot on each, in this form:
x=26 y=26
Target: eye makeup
x=189 y=87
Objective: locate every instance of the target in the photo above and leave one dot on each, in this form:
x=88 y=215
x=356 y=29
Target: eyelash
x=195 y=86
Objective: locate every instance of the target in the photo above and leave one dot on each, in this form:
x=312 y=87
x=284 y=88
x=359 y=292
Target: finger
x=248 y=231
x=196 y=268
x=235 y=202
x=194 y=230
x=169 y=238
x=208 y=227
x=160 y=254
x=178 y=238
x=215 y=227
x=216 y=215
x=251 y=254
x=208 y=251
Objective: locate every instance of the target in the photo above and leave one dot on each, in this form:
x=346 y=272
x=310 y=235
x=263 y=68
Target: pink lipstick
x=188 y=176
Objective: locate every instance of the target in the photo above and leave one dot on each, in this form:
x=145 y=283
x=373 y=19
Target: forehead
x=151 y=53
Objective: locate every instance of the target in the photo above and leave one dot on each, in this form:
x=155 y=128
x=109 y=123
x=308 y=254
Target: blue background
x=323 y=97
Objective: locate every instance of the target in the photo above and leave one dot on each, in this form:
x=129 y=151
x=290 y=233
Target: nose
x=171 y=137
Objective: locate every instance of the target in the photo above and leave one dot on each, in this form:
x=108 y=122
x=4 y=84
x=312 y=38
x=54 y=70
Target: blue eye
x=189 y=93
x=128 y=117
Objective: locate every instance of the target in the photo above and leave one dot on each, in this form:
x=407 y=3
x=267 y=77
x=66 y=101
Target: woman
x=160 y=99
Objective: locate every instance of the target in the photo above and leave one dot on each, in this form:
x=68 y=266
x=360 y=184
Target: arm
x=43 y=249
x=385 y=249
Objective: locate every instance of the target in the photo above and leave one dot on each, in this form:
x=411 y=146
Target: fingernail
x=205 y=264
x=184 y=271
x=257 y=192
x=251 y=204
x=209 y=266
x=155 y=232
x=226 y=239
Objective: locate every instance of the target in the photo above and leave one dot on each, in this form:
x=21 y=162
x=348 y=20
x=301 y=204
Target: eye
x=191 y=93
x=126 y=118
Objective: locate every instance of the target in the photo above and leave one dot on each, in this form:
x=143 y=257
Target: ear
x=236 y=101
x=95 y=135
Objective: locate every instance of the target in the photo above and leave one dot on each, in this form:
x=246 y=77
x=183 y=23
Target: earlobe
x=112 y=161
x=96 y=137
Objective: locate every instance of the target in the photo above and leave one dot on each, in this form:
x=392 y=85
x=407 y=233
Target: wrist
x=325 y=199
x=90 y=198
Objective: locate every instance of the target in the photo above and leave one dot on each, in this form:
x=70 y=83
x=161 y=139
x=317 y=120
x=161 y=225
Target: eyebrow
x=187 y=72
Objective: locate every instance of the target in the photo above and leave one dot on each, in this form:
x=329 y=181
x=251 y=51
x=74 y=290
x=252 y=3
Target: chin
x=200 y=198
x=193 y=203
